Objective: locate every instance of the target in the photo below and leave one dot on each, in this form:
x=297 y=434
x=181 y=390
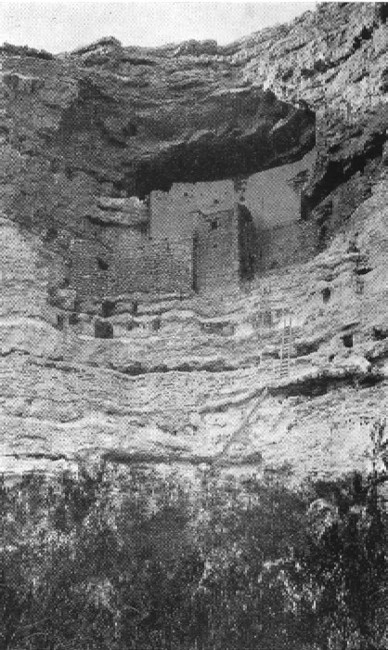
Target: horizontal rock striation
x=205 y=385
x=193 y=379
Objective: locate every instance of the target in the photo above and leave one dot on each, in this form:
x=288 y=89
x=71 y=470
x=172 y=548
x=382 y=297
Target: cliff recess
x=107 y=122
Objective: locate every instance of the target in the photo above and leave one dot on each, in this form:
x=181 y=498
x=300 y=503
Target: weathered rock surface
x=82 y=132
x=181 y=394
x=141 y=124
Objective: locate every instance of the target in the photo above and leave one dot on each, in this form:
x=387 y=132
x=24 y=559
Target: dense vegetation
x=24 y=50
x=112 y=561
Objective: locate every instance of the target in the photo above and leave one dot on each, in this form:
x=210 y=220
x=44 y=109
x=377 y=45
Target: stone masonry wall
x=216 y=251
x=153 y=267
x=286 y=244
x=208 y=260
x=156 y=267
x=175 y=214
x=86 y=276
x=206 y=213
x=195 y=242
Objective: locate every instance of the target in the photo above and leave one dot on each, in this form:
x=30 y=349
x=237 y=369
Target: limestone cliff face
x=207 y=383
x=334 y=61
x=123 y=120
x=140 y=123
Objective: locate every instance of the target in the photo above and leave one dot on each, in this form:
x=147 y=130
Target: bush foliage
x=24 y=50
x=134 y=562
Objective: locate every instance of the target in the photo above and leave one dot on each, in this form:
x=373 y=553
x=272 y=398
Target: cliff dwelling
x=194 y=333
x=194 y=238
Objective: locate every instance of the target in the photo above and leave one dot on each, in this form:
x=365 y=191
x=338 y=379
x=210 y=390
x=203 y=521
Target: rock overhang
x=148 y=139
x=173 y=99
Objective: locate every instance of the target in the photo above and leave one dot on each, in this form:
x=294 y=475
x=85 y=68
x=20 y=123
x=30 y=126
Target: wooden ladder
x=359 y=289
x=285 y=350
x=265 y=315
x=358 y=280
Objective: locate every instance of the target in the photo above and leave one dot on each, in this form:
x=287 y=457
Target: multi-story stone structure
x=189 y=239
x=195 y=238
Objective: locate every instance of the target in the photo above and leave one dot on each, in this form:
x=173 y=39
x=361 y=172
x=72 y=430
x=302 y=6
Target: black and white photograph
x=193 y=325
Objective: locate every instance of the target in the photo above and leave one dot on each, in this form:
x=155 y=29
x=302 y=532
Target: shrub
x=24 y=50
x=128 y=561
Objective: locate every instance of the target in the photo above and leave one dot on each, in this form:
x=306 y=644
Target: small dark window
x=380 y=333
x=216 y=201
x=130 y=129
x=103 y=329
x=102 y=264
x=69 y=173
x=323 y=232
x=326 y=293
x=352 y=247
x=107 y=308
x=60 y=321
x=214 y=224
x=347 y=340
x=359 y=285
x=51 y=234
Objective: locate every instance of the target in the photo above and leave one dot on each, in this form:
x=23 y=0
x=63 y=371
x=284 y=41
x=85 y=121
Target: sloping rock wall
x=189 y=390
x=182 y=393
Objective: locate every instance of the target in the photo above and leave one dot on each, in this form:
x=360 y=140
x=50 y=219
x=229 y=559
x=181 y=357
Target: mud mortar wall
x=216 y=251
x=155 y=267
x=130 y=262
x=175 y=214
x=150 y=267
x=204 y=212
x=286 y=244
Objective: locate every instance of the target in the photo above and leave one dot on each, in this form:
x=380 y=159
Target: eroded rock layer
x=208 y=383
x=227 y=379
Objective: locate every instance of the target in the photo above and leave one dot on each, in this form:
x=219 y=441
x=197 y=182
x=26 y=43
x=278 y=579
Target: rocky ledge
x=87 y=130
